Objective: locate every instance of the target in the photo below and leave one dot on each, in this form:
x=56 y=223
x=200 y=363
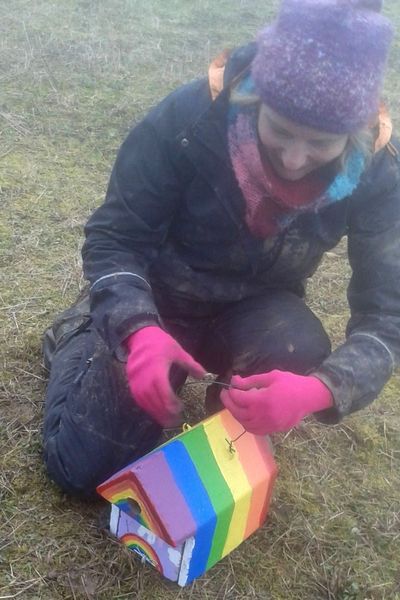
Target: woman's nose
x=294 y=156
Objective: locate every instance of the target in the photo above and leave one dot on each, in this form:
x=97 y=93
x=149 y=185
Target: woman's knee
x=277 y=331
x=80 y=454
x=76 y=478
x=92 y=426
x=296 y=351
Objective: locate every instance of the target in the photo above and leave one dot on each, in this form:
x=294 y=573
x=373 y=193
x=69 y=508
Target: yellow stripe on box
x=236 y=479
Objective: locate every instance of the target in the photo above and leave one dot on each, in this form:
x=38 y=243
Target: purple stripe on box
x=155 y=475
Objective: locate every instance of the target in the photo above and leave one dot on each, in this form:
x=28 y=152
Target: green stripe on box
x=198 y=447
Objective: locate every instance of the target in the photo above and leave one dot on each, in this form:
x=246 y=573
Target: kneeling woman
x=221 y=203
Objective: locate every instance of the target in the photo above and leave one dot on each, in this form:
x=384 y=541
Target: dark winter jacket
x=173 y=226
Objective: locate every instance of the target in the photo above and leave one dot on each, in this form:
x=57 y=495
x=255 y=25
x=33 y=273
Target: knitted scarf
x=272 y=203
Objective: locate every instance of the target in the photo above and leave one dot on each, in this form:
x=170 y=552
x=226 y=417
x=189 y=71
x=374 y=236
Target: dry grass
x=75 y=74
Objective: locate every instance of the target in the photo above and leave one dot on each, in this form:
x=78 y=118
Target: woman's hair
x=361 y=140
x=241 y=98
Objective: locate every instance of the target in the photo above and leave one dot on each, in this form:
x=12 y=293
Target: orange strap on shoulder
x=385 y=131
x=216 y=73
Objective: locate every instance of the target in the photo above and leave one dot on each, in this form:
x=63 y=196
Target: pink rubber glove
x=152 y=352
x=275 y=401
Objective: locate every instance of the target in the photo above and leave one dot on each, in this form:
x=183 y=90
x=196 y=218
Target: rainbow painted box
x=190 y=502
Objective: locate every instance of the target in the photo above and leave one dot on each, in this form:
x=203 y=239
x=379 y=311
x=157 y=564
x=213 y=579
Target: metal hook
x=230 y=443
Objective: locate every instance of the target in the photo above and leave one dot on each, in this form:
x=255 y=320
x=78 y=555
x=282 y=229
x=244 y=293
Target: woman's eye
x=282 y=133
x=321 y=144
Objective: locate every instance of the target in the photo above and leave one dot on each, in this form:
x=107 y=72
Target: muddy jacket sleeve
x=357 y=370
x=123 y=235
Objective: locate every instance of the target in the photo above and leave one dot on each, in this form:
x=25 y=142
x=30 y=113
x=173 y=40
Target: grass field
x=74 y=76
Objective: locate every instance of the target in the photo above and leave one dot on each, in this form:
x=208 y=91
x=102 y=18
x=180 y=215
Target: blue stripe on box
x=198 y=502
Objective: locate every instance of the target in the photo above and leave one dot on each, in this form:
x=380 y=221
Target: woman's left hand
x=275 y=401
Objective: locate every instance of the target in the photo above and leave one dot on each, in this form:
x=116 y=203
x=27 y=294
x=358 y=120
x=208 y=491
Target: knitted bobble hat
x=321 y=63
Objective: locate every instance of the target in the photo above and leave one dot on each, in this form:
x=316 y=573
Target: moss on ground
x=75 y=75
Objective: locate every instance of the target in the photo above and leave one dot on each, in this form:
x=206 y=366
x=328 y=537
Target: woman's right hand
x=151 y=353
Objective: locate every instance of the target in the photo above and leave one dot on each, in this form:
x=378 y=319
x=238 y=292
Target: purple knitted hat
x=321 y=63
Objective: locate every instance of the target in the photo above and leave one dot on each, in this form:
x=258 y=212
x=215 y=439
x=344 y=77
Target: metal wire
x=208 y=379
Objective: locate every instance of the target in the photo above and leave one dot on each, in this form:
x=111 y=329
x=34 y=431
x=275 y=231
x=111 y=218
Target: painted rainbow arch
x=143 y=548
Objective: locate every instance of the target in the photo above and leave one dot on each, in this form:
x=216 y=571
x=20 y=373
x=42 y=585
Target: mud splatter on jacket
x=172 y=225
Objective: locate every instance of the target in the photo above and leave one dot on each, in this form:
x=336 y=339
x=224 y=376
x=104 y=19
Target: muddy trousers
x=92 y=426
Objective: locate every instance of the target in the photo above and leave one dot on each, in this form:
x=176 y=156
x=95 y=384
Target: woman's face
x=295 y=150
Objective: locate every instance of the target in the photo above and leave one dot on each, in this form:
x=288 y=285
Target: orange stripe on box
x=266 y=453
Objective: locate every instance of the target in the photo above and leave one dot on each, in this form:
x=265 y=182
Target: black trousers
x=92 y=426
